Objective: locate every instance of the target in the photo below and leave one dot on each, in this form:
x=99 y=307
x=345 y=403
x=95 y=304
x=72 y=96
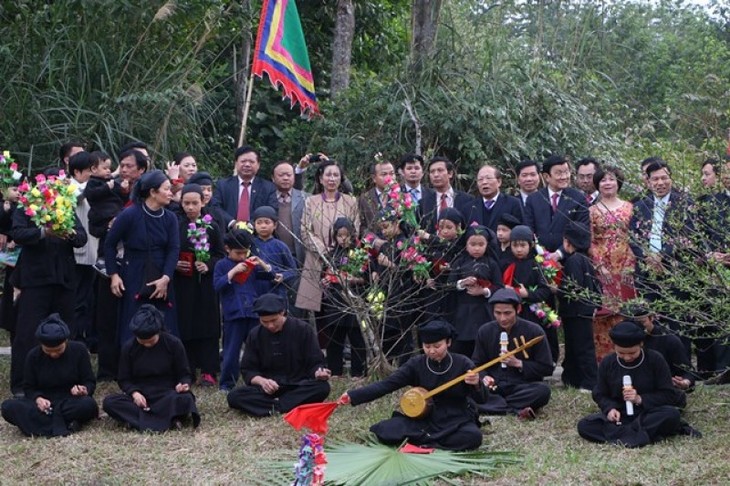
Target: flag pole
x=246 y=107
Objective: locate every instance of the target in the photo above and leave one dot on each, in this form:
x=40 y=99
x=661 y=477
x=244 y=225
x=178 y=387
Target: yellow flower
x=46 y=218
x=60 y=201
x=35 y=192
x=71 y=188
x=34 y=207
x=6 y=154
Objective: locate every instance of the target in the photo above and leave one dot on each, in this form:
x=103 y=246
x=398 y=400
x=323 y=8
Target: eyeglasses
x=560 y=173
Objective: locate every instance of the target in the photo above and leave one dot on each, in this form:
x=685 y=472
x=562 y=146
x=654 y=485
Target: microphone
x=627 y=386
x=503 y=343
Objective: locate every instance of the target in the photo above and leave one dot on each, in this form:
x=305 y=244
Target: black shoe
x=176 y=425
x=687 y=429
x=73 y=426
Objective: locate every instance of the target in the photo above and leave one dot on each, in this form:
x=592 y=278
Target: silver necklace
x=147 y=212
x=630 y=367
x=451 y=362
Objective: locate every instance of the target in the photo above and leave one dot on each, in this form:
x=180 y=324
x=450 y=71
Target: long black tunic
x=290 y=358
x=452 y=421
x=153 y=372
x=469 y=311
x=198 y=314
x=53 y=379
x=663 y=341
x=656 y=418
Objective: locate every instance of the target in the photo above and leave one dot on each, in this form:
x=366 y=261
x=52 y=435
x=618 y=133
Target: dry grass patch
x=228 y=447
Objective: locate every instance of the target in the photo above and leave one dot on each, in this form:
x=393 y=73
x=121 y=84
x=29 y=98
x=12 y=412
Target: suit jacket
x=428 y=208
x=45 y=261
x=550 y=227
x=677 y=227
x=368 y=205
x=225 y=196
x=504 y=204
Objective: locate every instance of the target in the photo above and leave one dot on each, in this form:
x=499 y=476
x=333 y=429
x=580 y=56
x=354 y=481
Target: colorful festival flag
x=281 y=53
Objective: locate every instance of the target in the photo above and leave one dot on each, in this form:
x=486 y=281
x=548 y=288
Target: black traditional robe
x=290 y=358
x=470 y=312
x=53 y=379
x=154 y=372
x=515 y=389
x=452 y=422
x=655 y=419
x=666 y=343
x=198 y=311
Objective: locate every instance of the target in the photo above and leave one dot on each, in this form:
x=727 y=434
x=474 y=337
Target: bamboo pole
x=246 y=108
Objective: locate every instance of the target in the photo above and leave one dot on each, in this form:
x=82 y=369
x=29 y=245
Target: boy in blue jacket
x=235 y=280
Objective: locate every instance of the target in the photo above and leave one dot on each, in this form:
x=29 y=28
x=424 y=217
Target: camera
x=314 y=158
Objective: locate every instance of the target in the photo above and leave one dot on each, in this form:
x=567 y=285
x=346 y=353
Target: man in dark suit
x=549 y=210
x=291 y=208
x=410 y=168
x=240 y=195
x=528 y=179
x=441 y=173
x=585 y=169
x=487 y=209
x=373 y=200
x=661 y=230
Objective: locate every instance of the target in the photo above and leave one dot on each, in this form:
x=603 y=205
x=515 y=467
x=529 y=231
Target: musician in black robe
x=154 y=378
x=517 y=387
x=58 y=385
x=642 y=413
x=282 y=365
x=452 y=421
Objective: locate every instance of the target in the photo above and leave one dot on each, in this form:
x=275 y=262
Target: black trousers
x=34 y=305
x=579 y=365
x=513 y=398
x=105 y=322
x=84 y=305
x=254 y=401
x=24 y=414
x=204 y=354
x=646 y=427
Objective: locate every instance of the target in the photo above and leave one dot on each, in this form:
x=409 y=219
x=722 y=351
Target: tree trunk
x=242 y=65
x=342 y=46
x=424 y=25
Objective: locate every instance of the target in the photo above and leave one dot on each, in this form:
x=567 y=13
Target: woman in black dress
x=453 y=420
x=58 y=385
x=198 y=309
x=154 y=378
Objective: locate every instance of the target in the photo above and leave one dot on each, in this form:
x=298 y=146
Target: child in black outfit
x=107 y=197
x=504 y=228
x=402 y=293
x=578 y=298
x=475 y=275
x=524 y=276
x=339 y=323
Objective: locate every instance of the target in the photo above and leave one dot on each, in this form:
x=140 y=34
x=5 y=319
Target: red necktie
x=554 y=202
x=243 y=203
x=443 y=204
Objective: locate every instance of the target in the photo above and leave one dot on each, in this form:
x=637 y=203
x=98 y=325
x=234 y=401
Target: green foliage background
x=508 y=80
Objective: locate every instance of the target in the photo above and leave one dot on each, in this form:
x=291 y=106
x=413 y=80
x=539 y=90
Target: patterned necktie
x=243 y=213
x=554 y=202
x=443 y=204
x=284 y=198
x=416 y=195
x=489 y=204
x=657 y=222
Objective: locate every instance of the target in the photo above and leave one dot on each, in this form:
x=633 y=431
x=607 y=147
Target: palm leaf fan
x=377 y=464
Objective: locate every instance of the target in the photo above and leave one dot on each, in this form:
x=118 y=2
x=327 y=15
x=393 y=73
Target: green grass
x=228 y=446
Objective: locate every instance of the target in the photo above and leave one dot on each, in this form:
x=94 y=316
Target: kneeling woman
x=154 y=377
x=453 y=421
x=58 y=385
x=639 y=404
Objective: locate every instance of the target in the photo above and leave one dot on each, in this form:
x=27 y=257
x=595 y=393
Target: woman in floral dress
x=611 y=254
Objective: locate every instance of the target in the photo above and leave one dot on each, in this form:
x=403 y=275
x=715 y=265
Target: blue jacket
x=277 y=254
x=237 y=299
